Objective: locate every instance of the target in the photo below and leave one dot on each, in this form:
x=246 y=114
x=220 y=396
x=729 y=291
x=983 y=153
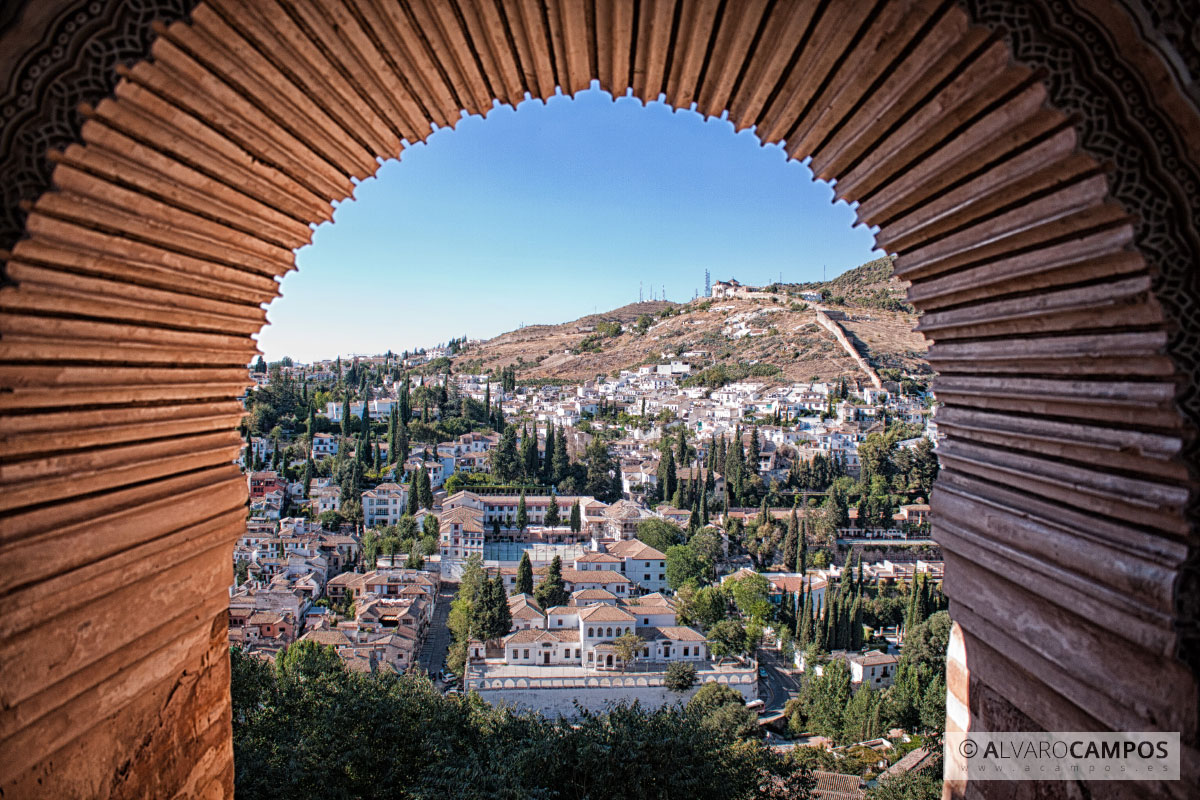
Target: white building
x=384 y=505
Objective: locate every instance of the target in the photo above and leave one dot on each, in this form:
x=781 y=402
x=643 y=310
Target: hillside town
x=636 y=537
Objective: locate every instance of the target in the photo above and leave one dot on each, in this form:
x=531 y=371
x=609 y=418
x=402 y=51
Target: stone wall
x=838 y=333
x=559 y=697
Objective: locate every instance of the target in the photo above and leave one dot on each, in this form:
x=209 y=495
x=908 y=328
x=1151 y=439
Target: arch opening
x=135 y=295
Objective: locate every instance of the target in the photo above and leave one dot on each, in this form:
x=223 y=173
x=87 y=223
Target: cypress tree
x=525 y=575
x=375 y=465
x=414 y=492
x=365 y=428
x=856 y=624
x=405 y=403
x=426 y=489
x=548 y=460
x=552 y=516
x=790 y=544
x=667 y=480
x=402 y=443
x=522 y=512
x=502 y=617
x=529 y=454
x=393 y=433
x=562 y=463
x=312 y=423
x=346 y=417
x=576 y=518
x=802 y=548
x=703 y=508
x=805 y=633
x=487 y=396
x=309 y=470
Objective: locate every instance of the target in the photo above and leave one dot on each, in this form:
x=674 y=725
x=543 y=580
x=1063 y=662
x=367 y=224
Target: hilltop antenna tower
x=707 y=284
x=639 y=291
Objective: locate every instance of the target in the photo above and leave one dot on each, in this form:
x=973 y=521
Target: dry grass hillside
x=775 y=339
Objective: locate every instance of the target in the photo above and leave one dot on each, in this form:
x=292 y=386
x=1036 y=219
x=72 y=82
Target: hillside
x=774 y=338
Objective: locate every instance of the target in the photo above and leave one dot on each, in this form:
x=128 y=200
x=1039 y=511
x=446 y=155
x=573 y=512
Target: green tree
x=552 y=591
x=825 y=697
x=548 y=460
x=791 y=542
x=722 y=711
x=552 y=516
x=933 y=705
x=576 y=518
x=751 y=596
x=709 y=606
x=923 y=785
x=307 y=660
x=415 y=560
x=426 y=489
x=505 y=463
x=628 y=646
x=683 y=565
x=600 y=468
x=522 y=513
x=727 y=638
x=659 y=533
x=561 y=463
x=525 y=575
x=680 y=677
x=666 y=475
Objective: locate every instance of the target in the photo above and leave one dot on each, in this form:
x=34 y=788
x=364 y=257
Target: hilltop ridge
x=775 y=336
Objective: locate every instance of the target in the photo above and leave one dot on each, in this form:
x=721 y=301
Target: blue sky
x=546 y=213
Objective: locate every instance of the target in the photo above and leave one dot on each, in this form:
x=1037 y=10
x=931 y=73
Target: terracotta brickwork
x=132 y=296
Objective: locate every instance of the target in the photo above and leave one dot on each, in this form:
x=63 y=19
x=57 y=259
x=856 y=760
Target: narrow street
x=432 y=657
x=778 y=685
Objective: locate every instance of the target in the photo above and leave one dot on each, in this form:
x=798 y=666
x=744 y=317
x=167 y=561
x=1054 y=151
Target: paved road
x=432 y=657
x=778 y=686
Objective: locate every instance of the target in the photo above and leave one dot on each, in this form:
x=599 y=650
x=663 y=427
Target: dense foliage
x=310 y=728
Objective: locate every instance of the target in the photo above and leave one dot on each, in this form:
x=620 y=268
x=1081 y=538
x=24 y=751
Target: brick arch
x=142 y=273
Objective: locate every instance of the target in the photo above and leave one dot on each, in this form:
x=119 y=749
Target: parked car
x=453 y=693
x=762 y=672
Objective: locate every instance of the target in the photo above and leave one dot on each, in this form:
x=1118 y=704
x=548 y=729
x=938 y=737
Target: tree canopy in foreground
x=311 y=728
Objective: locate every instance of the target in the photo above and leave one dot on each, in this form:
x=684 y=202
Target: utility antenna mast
x=707 y=284
x=639 y=291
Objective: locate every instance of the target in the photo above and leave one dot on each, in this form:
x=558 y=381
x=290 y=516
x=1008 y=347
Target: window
x=515 y=656
x=645 y=620
x=559 y=622
x=609 y=634
x=527 y=654
x=685 y=651
x=577 y=652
